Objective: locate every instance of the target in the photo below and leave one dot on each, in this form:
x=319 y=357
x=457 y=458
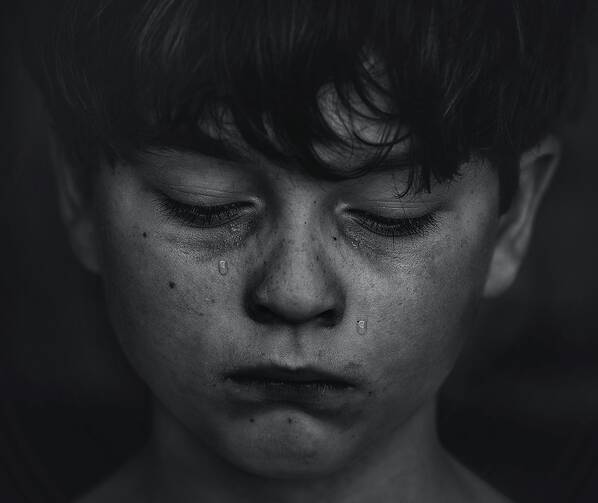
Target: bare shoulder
x=480 y=491
x=125 y=485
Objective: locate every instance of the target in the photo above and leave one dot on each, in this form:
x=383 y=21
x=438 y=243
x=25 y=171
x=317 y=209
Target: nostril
x=330 y=318
x=259 y=313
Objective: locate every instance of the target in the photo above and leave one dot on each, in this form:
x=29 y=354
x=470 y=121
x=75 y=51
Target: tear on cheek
x=362 y=325
x=223 y=267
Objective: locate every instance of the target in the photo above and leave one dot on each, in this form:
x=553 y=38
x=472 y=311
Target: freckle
x=251 y=420
x=334 y=238
x=171 y=284
x=289 y=420
x=144 y=234
x=370 y=393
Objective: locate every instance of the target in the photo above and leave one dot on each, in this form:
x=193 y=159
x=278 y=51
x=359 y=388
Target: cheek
x=164 y=302
x=425 y=310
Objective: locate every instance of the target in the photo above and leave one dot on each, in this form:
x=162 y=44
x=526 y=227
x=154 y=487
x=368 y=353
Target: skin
x=301 y=272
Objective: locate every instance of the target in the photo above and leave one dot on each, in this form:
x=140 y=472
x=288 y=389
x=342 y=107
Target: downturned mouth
x=272 y=375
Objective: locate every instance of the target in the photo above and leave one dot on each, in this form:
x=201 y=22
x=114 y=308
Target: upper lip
x=276 y=373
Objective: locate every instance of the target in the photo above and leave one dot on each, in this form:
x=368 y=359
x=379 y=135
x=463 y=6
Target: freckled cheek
x=426 y=317
x=166 y=309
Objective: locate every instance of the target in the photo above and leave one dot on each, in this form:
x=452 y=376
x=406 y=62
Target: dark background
x=521 y=408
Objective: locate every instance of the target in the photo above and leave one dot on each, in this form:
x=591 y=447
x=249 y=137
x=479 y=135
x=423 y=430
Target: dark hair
x=465 y=78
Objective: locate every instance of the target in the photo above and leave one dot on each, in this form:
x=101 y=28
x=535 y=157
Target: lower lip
x=309 y=395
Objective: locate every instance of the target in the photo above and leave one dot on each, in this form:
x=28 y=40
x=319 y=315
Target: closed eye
x=201 y=216
x=394 y=227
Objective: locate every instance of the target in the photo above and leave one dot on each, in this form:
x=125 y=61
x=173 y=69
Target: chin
x=286 y=445
x=289 y=464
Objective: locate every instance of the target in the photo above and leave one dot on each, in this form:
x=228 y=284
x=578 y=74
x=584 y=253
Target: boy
x=295 y=209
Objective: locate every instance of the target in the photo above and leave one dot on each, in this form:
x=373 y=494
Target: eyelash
x=201 y=216
x=395 y=227
x=215 y=216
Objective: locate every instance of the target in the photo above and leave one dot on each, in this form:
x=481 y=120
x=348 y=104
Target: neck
x=408 y=467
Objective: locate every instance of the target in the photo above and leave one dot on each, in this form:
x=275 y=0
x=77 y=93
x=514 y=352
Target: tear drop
x=222 y=267
x=362 y=326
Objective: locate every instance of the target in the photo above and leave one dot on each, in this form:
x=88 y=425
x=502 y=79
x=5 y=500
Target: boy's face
x=262 y=357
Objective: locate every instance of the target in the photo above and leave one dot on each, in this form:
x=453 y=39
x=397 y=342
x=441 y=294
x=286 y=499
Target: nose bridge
x=297 y=264
x=298 y=282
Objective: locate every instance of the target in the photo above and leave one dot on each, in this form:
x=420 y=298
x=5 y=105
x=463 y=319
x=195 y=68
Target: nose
x=295 y=284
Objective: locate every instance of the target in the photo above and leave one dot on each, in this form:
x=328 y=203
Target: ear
x=76 y=207
x=536 y=168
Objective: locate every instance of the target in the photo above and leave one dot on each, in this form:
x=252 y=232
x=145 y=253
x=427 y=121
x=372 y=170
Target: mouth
x=306 y=387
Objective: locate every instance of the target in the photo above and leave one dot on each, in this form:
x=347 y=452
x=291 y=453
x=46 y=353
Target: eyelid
x=414 y=208
x=396 y=209
x=387 y=219
x=402 y=203
x=190 y=194
x=356 y=199
x=405 y=226
x=206 y=197
x=201 y=216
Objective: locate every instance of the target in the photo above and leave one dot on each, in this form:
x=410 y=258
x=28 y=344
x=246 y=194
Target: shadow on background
x=521 y=408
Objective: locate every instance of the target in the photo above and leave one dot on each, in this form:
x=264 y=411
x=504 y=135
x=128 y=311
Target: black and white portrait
x=321 y=251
